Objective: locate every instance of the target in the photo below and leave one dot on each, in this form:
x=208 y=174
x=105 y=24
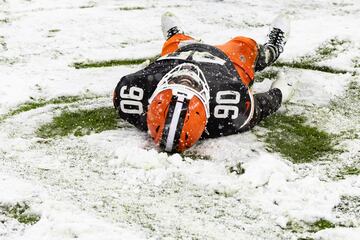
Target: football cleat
x=170 y=25
x=278 y=35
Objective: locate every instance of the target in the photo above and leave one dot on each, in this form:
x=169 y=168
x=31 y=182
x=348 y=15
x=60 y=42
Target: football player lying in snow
x=196 y=90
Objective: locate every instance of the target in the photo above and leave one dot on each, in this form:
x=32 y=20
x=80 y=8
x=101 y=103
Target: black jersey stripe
x=174 y=123
x=181 y=122
x=168 y=120
x=170 y=141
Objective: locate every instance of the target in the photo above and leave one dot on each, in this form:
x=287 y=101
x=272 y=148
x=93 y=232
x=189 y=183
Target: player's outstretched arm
x=286 y=85
x=266 y=104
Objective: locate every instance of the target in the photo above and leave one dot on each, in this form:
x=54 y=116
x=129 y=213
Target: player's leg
x=270 y=51
x=265 y=104
x=173 y=33
x=243 y=53
x=277 y=37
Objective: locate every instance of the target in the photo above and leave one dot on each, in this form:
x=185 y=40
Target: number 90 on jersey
x=131 y=100
x=227 y=104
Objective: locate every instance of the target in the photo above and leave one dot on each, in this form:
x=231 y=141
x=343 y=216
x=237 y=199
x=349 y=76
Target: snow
x=145 y=159
x=15 y=190
x=59 y=220
x=325 y=88
x=115 y=184
x=338 y=234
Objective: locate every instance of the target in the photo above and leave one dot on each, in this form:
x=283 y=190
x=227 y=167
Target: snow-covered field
x=114 y=184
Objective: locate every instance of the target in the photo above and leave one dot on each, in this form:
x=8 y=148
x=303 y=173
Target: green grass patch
x=54 y=30
x=20 y=212
x=320 y=225
x=6 y=60
x=87 y=6
x=137 y=213
x=349 y=171
x=41 y=102
x=348 y=105
x=350 y=206
x=112 y=63
x=80 y=123
x=327 y=50
x=356 y=62
x=3 y=44
x=27 y=106
x=295 y=226
x=237 y=169
x=331 y=48
x=354 y=91
x=295 y=140
x=347 y=134
x=4 y=20
x=176 y=6
x=271 y=74
x=308 y=65
x=194 y=155
x=131 y=8
x=254 y=24
x=302 y=227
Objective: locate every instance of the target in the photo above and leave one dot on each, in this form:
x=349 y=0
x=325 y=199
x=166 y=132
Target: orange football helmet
x=179 y=108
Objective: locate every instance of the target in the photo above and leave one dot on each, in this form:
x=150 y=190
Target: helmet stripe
x=173 y=124
x=181 y=123
x=168 y=119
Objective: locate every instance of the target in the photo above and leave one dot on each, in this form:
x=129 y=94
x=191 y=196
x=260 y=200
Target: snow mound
x=63 y=221
x=338 y=234
x=139 y=158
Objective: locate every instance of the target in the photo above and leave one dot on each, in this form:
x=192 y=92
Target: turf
x=112 y=63
x=295 y=140
x=20 y=212
x=321 y=225
x=4 y=20
x=30 y=105
x=54 y=30
x=331 y=48
x=309 y=66
x=349 y=205
x=195 y=155
x=313 y=227
x=328 y=49
x=356 y=62
x=350 y=170
x=131 y=8
x=80 y=123
x=271 y=74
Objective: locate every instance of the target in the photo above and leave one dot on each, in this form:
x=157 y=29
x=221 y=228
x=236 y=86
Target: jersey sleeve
x=131 y=99
x=133 y=91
